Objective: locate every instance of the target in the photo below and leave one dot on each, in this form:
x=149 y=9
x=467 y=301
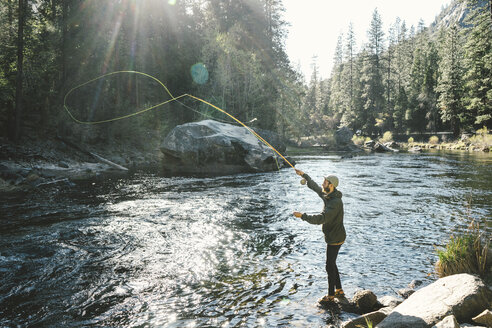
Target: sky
x=316 y=24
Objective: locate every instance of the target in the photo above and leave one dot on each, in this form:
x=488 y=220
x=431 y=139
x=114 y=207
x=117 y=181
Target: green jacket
x=332 y=216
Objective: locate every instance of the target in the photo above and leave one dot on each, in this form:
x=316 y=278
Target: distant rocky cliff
x=456 y=13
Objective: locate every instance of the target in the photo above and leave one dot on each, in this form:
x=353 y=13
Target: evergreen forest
x=231 y=53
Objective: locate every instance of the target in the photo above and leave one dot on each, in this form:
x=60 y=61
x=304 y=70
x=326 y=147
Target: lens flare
x=199 y=73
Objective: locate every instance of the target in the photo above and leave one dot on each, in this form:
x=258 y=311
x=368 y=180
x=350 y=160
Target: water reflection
x=226 y=251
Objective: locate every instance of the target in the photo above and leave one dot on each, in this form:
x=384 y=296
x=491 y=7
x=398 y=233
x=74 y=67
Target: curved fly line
x=117 y=118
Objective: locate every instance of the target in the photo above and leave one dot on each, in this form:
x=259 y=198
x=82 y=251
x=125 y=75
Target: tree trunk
x=11 y=20
x=7 y=70
x=20 y=58
x=64 y=48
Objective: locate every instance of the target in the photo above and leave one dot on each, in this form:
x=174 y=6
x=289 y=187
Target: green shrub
x=387 y=137
x=483 y=131
x=358 y=140
x=434 y=140
x=465 y=252
x=410 y=140
x=482 y=138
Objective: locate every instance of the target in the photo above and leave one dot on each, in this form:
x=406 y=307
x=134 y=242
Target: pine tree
x=422 y=113
x=373 y=89
x=478 y=71
x=336 y=85
x=402 y=58
x=7 y=65
x=428 y=96
x=348 y=79
x=23 y=6
x=450 y=85
x=354 y=116
x=389 y=78
x=311 y=103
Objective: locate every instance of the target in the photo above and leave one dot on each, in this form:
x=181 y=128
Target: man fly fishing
x=332 y=225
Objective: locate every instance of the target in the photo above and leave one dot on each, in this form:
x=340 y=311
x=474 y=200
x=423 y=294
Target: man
x=332 y=220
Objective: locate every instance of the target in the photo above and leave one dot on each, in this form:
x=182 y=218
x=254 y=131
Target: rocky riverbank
x=392 y=146
x=344 y=140
x=480 y=142
x=447 y=146
x=43 y=160
x=460 y=300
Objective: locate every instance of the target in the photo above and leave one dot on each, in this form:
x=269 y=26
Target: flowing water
x=149 y=251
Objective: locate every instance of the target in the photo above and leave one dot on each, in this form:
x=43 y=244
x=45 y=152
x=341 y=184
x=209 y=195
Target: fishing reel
x=303 y=181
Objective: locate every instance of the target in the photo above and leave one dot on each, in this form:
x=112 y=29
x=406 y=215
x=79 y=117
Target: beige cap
x=333 y=180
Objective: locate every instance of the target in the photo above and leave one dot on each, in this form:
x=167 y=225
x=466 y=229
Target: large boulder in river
x=273 y=139
x=462 y=295
x=211 y=147
x=343 y=136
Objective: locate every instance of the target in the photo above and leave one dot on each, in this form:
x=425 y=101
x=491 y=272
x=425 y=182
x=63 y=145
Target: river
x=150 y=251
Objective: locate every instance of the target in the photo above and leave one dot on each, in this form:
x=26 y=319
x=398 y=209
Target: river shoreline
x=36 y=162
x=40 y=161
x=456 y=146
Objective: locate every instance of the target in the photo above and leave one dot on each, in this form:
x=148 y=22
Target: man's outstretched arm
x=310 y=183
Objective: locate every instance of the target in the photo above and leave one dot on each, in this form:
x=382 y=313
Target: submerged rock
x=405 y=292
x=392 y=144
x=210 y=147
x=378 y=147
x=415 y=149
x=415 y=283
x=389 y=301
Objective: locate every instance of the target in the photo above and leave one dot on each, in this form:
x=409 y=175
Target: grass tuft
x=387 y=137
x=466 y=252
x=368 y=324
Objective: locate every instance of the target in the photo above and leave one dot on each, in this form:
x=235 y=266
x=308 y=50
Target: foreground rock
x=374 y=318
x=448 y=322
x=210 y=147
x=445 y=303
x=365 y=300
x=462 y=295
x=484 y=318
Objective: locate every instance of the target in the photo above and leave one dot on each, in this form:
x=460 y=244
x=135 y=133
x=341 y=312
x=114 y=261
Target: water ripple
x=226 y=251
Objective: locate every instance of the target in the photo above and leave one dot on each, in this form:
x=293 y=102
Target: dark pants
x=331 y=268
